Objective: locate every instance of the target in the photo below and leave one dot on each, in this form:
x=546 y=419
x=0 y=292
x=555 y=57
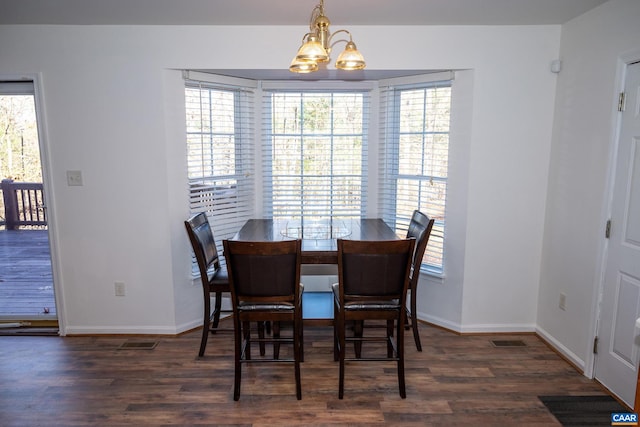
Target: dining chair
x=420 y=229
x=214 y=277
x=373 y=278
x=265 y=287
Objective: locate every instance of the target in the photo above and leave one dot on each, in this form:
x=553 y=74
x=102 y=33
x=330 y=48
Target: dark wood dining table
x=319 y=237
x=319 y=246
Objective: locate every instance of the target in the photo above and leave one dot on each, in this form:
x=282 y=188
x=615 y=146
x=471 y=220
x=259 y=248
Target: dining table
x=319 y=246
x=319 y=236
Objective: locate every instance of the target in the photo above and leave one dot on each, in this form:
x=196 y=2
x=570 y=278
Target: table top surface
x=319 y=237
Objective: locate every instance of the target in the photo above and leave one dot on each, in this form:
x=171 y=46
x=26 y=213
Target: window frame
x=227 y=207
x=390 y=93
x=268 y=136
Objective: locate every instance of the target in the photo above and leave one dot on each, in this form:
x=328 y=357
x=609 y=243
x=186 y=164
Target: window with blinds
x=220 y=130
x=414 y=153
x=315 y=153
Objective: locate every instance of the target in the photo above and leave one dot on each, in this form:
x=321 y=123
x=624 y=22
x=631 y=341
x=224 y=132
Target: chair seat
x=379 y=305
x=218 y=277
x=283 y=306
x=372 y=306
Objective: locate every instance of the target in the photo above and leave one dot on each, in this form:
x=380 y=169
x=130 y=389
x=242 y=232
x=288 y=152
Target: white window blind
x=314 y=153
x=220 y=131
x=414 y=157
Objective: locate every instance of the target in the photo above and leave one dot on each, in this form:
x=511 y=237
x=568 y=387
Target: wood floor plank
x=49 y=381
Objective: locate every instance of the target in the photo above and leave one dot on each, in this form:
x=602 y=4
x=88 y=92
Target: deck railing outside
x=23 y=205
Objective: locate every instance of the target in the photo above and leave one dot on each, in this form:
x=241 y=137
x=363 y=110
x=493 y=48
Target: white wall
x=109 y=98
x=577 y=201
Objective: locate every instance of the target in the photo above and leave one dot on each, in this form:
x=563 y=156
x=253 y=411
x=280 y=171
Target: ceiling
x=292 y=12
x=297 y=13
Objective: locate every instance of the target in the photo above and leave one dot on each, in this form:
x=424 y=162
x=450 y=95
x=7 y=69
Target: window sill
x=432 y=276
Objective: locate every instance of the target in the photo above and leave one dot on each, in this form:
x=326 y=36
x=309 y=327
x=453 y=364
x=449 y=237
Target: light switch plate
x=74 y=178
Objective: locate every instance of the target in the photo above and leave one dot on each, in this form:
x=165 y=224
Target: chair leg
x=407 y=306
x=217 y=310
x=261 y=337
x=341 y=350
x=335 y=334
x=246 y=333
x=390 y=324
x=238 y=355
x=400 y=355
x=301 y=339
x=206 y=323
x=297 y=355
x=414 y=321
x=301 y=332
x=275 y=328
x=358 y=332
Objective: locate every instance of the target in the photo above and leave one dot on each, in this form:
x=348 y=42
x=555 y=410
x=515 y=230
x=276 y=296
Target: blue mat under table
x=317 y=305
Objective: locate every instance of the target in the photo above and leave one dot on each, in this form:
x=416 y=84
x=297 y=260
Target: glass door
x=26 y=280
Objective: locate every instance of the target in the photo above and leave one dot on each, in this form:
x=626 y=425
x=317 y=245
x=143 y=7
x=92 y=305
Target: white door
x=619 y=340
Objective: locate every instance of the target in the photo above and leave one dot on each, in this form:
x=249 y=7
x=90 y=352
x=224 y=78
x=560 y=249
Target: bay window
x=314 y=146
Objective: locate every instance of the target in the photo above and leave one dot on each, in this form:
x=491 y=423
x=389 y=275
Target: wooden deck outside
x=26 y=281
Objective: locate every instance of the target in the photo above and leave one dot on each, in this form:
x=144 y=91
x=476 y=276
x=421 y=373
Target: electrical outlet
x=562 y=303
x=119 y=289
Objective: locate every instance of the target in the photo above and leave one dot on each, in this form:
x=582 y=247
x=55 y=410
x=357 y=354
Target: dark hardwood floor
x=456 y=380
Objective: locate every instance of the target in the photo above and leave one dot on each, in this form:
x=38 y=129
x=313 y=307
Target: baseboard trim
x=562 y=351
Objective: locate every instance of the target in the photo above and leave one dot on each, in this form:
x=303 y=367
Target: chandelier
x=317 y=44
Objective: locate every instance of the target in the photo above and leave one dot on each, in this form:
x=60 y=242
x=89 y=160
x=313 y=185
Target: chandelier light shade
x=303 y=66
x=350 y=58
x=317 y=44
x=312 y=50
